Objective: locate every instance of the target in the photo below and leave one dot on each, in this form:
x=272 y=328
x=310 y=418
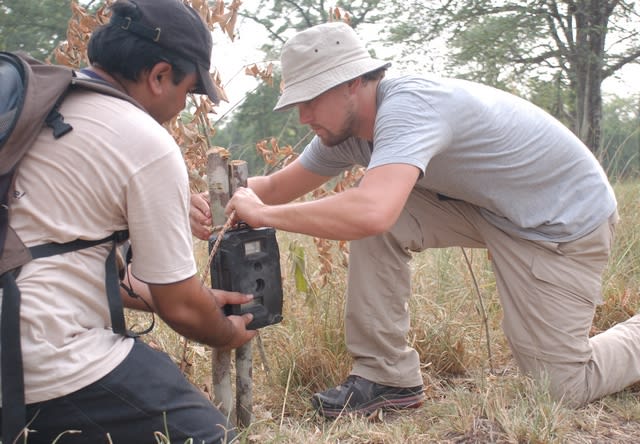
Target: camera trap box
x=248 y=261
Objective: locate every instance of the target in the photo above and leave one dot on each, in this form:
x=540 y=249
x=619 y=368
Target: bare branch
x=634 y=57
x=537 y=59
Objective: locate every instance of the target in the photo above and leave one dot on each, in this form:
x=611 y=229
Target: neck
x=368 y=108
x=126 y=86
x=116 y=82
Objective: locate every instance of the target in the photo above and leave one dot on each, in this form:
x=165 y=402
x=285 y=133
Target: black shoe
x=358 y=395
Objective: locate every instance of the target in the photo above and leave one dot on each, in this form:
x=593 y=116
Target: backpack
x=31 y=93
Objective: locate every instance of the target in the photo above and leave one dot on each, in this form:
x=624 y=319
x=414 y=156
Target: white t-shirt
x=117 y=169
x=527 y=172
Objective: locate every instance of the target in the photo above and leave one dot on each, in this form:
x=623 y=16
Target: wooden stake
x=238 y=175
x=244 y=384
x=218 y=182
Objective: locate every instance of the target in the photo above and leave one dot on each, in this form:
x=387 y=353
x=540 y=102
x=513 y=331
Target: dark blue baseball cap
x=179 y=29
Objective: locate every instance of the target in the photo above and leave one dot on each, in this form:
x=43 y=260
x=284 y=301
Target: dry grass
x=470 y=400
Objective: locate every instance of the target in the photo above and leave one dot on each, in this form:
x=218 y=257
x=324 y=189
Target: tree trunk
x=591 y=17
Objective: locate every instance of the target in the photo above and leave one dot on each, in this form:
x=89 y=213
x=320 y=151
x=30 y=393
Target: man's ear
x=158 y=76
x=353 y=84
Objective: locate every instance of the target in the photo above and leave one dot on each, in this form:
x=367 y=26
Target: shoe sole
x=405 y=402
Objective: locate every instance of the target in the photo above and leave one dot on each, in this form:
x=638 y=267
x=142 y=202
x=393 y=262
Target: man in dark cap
x=119 y=169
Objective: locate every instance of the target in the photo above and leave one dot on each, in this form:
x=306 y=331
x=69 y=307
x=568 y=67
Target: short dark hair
x=122 y=53
x=375 y=75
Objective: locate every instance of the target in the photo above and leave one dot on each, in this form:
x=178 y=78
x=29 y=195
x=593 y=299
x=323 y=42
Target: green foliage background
x=34 y=26
x=254 y=121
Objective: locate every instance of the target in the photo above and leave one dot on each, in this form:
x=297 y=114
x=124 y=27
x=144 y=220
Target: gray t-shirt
x=527 y=172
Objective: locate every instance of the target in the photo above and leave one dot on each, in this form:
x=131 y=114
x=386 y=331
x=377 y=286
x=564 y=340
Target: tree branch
x=630 y=58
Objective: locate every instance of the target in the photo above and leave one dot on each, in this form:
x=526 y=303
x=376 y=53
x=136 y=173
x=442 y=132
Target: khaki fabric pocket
x=579 y=279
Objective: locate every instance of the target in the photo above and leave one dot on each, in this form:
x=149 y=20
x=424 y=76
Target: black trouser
x=146 y=394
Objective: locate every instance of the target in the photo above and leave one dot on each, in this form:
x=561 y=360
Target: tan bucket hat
x=319 y=58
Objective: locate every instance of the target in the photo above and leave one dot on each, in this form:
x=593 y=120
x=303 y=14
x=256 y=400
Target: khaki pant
x=548 y=292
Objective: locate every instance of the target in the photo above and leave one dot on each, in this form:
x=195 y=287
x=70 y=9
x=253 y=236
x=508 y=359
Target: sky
x=231 y=57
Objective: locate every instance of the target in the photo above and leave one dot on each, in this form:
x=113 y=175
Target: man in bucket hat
x=119 y=169
x=448 y=163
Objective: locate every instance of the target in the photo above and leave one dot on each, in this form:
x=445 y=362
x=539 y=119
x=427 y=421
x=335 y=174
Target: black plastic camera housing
x=248 y=261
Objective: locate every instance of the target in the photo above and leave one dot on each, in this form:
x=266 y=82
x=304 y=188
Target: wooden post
x=218 y=182
x=224 y=178
x=238 y=175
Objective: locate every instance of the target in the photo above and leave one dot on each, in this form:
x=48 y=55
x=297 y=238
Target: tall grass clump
x=447 y=309
x=621 y=280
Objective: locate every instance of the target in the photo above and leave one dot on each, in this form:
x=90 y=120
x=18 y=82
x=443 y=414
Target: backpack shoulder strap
x=102 y=87
x=28 y=91
x=112 y=279
x=42 y=87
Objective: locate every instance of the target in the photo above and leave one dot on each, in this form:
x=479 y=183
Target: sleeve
x=158 y=218
x=409 y=128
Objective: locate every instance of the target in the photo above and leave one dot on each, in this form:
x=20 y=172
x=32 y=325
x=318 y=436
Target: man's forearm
x=321 y=218
x=194 y=311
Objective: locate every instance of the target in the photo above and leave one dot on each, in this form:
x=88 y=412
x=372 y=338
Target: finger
x=232 y=297
x=229 y=208
x=201 y=230
x=205 y=196
x=238 y=298
x=196 y=217
x=201 y=233
x=199 y=201
x=247 y=317
x=198 y=211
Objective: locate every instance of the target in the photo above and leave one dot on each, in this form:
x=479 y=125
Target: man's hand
x=241 y=334
x=224 y=297
x=200 y=216
x=247 y=206
x=195 y=311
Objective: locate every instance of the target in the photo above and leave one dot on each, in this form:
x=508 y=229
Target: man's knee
x=566 y=382
x=572 y=392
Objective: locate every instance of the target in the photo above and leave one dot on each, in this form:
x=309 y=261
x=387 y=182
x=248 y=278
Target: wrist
x=266 y=214
x=225 y=332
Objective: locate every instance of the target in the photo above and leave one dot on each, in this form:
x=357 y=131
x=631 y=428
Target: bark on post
x=238 y=174
x=218 y=182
